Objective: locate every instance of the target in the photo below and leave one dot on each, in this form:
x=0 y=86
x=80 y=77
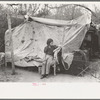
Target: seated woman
x=49 y=57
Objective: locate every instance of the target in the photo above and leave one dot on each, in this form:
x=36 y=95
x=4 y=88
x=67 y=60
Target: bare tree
x=11 y=40
x=97 y=12
x=68 y=12
x=75 y=6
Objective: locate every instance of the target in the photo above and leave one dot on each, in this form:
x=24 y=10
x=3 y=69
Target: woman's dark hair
x=49 y=41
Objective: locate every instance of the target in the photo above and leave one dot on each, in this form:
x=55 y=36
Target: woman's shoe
x=46 y=75
x=43 y=76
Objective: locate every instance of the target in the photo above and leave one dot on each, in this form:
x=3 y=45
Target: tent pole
x=11 y=42
x=63 y=36
x=5 y=57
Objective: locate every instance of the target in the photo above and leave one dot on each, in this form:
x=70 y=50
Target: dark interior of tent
x=91 y=42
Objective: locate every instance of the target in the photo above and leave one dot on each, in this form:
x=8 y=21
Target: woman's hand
x=59 y=45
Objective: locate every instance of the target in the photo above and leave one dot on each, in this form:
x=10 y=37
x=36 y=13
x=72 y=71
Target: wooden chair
x=54 y=67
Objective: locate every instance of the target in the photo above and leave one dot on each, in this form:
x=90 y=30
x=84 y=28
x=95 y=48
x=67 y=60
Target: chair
x=40 y=68
x=54 y=67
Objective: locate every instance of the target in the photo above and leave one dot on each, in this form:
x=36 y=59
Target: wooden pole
x=11 y=42
x=63 y=35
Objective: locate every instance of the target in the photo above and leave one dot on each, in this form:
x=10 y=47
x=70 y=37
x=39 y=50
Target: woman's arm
x=45 y=50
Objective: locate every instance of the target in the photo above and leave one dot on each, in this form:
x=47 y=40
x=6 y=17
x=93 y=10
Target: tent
x=29 y=38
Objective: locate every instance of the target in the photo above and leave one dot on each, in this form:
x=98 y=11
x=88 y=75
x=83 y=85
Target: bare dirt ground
x=31 y=75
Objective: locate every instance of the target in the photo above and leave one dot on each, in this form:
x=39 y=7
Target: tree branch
x=93 y=13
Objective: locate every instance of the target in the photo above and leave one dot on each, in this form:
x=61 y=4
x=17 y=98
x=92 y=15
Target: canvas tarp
x=29 y=38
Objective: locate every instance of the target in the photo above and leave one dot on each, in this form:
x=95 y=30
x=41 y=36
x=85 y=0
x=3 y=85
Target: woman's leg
x=43 y=69
x=48 y=64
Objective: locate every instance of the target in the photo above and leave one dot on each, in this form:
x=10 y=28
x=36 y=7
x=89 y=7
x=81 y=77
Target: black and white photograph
x=50 y=42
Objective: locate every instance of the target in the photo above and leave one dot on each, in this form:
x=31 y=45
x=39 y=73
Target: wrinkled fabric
x=68 y=58
x=29 y=38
